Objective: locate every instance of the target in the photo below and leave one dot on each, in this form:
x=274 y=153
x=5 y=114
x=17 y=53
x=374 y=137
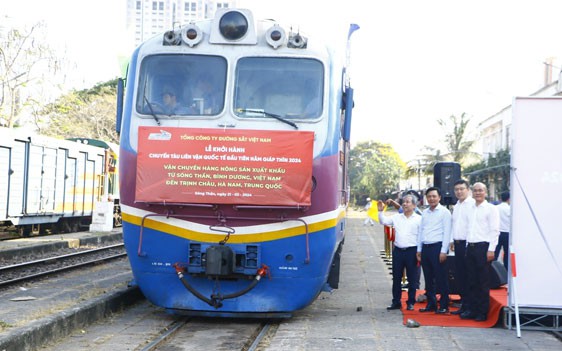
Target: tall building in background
x=147 y=18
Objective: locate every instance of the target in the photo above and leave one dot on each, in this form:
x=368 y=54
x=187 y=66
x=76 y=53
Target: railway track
x=212 y=334
x=28 y=271
x=8 y=233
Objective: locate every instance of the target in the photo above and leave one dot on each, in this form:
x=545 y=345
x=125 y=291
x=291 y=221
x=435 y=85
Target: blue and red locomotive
x=233 y=167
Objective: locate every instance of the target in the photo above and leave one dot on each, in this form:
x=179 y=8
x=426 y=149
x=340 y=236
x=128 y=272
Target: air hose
x=216 y=299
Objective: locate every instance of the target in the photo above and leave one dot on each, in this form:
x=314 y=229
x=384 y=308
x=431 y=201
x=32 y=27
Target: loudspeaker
x=445 y=174
x=498 y=275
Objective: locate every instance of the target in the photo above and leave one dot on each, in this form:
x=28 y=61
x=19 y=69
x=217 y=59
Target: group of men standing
x=471 y=232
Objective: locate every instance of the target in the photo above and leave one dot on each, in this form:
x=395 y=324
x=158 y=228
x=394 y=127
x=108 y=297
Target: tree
x=495 y=171
x=87 y=113
x=375 y=170
x=421 y=166
x=458 y=144
x=457 y=138
x=26 y=65
x=430 y=158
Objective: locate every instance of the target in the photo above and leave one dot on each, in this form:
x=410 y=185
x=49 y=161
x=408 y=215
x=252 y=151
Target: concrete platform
x=47 y=310
x=353 y=317
x=48 y=243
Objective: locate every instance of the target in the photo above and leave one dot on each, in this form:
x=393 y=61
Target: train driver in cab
x=206 y=96
x=169 y=99
x=171 y=104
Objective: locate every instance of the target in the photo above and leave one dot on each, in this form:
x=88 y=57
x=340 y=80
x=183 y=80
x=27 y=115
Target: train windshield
x=291 y=88
x=182 y=85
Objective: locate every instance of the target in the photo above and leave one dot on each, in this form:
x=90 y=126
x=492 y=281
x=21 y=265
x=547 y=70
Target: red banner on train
x=196 y=165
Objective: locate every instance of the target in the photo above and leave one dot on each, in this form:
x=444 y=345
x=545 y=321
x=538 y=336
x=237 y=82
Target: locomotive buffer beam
x=220 y=264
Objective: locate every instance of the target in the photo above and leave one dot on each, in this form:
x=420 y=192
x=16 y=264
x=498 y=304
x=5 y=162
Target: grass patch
x=4 y=325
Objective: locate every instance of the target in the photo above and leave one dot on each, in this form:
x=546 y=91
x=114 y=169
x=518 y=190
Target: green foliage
x=5 y=325
x=456 y=137
x=88 y=113
x=457 y=141
x=375 y=170
x=458 y=144
x=494 y=170
x=429 y=159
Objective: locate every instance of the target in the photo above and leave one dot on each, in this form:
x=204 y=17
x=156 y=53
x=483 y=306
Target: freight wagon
x=50 y=185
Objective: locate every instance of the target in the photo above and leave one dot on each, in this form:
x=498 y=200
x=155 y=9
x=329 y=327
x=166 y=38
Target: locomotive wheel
x=25 y=231
x=74 y=226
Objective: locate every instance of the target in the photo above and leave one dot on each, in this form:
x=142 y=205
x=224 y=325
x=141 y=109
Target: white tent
x=536 y=201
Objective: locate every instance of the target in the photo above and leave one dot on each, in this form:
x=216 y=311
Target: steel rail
x=59 y=269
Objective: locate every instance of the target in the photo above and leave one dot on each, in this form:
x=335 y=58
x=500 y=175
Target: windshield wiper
x=267 y=114
x=152 y=110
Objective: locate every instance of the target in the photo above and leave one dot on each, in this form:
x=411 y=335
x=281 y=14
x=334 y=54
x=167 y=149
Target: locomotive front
x=234 y=167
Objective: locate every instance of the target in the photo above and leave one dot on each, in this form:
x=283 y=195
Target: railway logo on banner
x=198 y=165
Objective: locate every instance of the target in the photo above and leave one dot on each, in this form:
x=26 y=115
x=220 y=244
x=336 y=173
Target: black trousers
x=503 y=242
x=404 y=258
x=460 y=271
x=478 y=274
x=435 y=275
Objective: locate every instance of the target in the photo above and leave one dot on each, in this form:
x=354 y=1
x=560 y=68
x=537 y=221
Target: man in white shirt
x=433 y=244
x=481 y=240
x=406 y=226
x=459 y=231
x=505 y=226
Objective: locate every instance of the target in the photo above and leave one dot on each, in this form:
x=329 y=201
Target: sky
x=88 y=34
x=412 y=62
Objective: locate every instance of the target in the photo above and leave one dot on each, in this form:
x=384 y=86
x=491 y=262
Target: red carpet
x=498 y=300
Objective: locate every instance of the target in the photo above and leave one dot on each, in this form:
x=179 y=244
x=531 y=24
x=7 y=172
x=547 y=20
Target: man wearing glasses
x=462 y=213
x=482 y=240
